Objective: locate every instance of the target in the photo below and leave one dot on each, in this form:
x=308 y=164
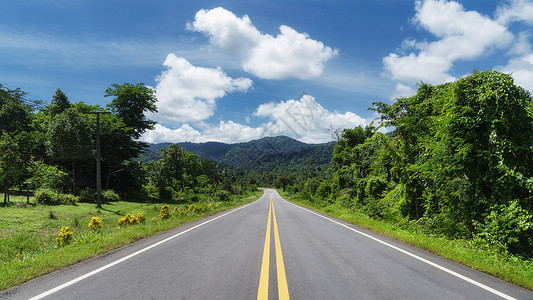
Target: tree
x=464 y=147
x=14 y=113
x=131 y=103
x=11 y=164
x=69 y=139
x=59 y=103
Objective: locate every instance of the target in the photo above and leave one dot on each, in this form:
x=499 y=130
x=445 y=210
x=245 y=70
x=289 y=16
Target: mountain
x=266 y=154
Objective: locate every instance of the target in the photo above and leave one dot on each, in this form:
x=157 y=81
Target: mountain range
x=262 y=155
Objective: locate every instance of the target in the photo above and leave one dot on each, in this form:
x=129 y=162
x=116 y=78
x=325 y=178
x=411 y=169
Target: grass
x=472 y=253
x=28 y=247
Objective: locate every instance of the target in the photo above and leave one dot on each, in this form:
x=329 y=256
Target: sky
x=235 y=71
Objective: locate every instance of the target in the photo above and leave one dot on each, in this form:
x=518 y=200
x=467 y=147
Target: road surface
x=268 y=249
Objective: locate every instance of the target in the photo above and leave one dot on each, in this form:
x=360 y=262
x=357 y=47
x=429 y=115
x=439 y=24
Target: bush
x=511 y=226
x=47 y=197
x=165 y=212
x=127 y=220
x=95 y=224
x=223 y=195
x=51 y=197
x=88 y=195
x=110 y=196
x=64 y=237
x=141 y=218
x=68 y=199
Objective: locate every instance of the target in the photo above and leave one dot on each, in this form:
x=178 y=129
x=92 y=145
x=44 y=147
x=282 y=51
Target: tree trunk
x=73 y=177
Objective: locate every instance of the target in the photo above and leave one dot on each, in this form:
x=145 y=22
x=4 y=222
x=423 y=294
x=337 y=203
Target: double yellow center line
x=283 y=290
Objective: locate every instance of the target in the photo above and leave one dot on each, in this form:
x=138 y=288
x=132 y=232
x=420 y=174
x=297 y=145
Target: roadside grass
x=28 y=247
x=472 y=253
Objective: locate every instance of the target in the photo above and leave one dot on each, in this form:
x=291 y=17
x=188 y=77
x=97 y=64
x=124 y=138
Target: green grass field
x=468 y=252
x=28 y=233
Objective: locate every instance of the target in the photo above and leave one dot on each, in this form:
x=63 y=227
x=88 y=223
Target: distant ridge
x=265 y=154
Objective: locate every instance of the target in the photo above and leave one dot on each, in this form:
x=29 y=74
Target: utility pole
x=98 y=159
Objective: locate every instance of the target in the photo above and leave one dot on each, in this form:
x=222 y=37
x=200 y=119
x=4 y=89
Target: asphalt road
x=234 y=255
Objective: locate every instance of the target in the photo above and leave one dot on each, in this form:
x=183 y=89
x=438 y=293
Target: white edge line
x=73 y=281
x=472 y=281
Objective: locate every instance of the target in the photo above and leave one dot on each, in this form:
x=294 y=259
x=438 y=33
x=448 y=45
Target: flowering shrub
x=165 y=212
x=95 y=224
x=127 y=220
x=154 y=219
x=64 y=237
x=141 y=218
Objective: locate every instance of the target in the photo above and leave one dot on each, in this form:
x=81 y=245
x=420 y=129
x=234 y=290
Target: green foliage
x=47 y=176
x=130 y=103
x=87 y=195
x=110 y=196
x=463 y=147
x=51 y=197
x=510 y=226
x=59 y=103
x=222 y=195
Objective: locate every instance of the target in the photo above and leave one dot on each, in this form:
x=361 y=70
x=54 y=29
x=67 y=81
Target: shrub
x=110 y=196
x=223 y=195
x=95 y=224
x=511 y=226
x=88 y=195
x=141 y=218
x=127 y=220
x=47 y=197
x=165 y=212
x=51 y=197
x=68 y=199
x=64 y=237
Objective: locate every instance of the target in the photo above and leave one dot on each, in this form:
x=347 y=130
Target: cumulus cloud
x=226 y=30
x=462 y=35
x=289 y=54
x=303 y=119
x=521 y=68
x=306 y=120
x=188 y=93
x=515 y=10
x=402 y=91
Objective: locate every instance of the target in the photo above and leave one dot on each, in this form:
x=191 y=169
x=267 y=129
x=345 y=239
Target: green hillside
x=266 y=154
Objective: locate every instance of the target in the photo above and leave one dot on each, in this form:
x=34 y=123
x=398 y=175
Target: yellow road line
x=283 y=289
x=262 y=292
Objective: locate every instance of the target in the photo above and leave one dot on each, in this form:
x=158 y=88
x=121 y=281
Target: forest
x=49 y=151
x=457 y=162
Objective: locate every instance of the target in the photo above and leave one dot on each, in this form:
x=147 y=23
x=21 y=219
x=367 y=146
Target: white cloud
x=303 y=119
x=289 y=54
x=463 y=35
x=516 y=10
x=306 y=120
x=188 y=93
x=226 y=30
x=162 y=134
x=402 y=91
x=521 y=69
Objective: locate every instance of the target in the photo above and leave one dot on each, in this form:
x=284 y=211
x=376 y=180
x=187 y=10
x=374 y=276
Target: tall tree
x=131 y=102
x=69 y=139
x=59 y=103
x=11 y=163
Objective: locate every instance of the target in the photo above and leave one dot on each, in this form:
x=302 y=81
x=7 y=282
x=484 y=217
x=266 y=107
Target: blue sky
x=234 y=71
